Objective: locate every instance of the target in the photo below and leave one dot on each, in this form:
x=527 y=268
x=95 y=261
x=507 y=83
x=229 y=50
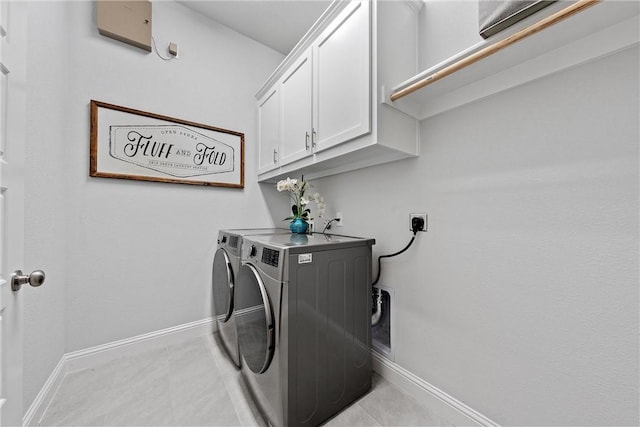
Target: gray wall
x=522 y=299
x=125 y=258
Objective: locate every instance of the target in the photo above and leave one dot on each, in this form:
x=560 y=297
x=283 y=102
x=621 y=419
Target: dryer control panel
x=270 y=256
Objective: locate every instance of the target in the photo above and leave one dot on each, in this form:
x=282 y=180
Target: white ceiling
x=275 y=23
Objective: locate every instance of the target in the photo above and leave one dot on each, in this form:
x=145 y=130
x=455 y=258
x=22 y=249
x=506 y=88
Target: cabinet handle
x=306 y=140
x=313 y=137
x=275 y=155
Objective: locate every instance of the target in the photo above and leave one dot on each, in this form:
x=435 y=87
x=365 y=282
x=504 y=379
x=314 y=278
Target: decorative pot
x=299 y=226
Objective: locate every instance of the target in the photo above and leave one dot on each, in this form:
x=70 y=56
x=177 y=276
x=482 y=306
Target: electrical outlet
x=173 y=49
x=339 y=219
x=423 y=216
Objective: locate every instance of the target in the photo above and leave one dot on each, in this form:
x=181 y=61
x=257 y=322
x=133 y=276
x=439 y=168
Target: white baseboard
x=45 y=395
x=97 y=355
x=437 y=401
x=93 y=356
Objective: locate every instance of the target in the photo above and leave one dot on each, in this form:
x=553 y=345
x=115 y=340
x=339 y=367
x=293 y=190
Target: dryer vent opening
x=381 y=321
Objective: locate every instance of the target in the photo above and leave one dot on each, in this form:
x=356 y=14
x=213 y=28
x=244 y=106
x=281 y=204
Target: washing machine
x=226 y=263
x=306 y=347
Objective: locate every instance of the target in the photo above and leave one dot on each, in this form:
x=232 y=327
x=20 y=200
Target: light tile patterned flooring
x=194 y=384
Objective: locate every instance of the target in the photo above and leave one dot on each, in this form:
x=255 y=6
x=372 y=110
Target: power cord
x=158 y=53
x=417 y=224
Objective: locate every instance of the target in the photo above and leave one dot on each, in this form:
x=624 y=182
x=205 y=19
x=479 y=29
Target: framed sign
x=133 y=144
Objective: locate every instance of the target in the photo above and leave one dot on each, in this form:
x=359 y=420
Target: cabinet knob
x=313 y=137
x=306 y=140
x=275 y=155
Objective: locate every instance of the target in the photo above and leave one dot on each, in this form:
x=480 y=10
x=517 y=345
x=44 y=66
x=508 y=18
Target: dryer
x=306 y=347
x=226 y=263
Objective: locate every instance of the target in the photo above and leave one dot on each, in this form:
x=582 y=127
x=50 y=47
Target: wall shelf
x=603 y=28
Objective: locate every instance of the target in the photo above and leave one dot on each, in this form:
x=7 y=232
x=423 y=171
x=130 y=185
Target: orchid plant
x=300 y=209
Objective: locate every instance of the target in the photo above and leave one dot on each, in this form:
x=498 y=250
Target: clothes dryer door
x=222 y=282
x=255 y=325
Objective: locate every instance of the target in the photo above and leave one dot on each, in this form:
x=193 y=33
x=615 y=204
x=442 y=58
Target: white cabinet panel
x=296 y=111
x=268 y=131
x=341 y=85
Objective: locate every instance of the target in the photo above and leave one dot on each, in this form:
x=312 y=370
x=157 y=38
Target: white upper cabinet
x=329 y=118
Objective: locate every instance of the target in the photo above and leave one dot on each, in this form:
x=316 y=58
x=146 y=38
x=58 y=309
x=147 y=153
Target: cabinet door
x=342 y=65
x=295 y=90
x=268 y=131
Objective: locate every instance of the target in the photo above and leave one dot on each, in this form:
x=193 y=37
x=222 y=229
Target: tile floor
x=193 y=384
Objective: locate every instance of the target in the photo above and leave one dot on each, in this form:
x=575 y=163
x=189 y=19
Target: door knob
x=35 y=279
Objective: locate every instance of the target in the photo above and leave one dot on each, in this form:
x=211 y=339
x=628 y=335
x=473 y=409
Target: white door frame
x=13 y=19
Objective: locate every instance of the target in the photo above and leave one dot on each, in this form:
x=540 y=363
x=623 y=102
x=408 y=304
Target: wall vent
x=382 y=334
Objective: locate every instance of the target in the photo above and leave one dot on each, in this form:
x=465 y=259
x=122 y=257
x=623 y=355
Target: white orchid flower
x=297 y=189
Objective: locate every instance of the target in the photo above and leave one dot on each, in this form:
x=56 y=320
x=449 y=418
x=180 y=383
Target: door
x=12 y=139
x=256 y=326
x=222 y=282
x=268 y=131
x=297 y=133
x=342 y=66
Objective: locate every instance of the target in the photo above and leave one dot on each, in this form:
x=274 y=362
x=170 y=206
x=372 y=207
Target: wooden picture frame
x=133 y=144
